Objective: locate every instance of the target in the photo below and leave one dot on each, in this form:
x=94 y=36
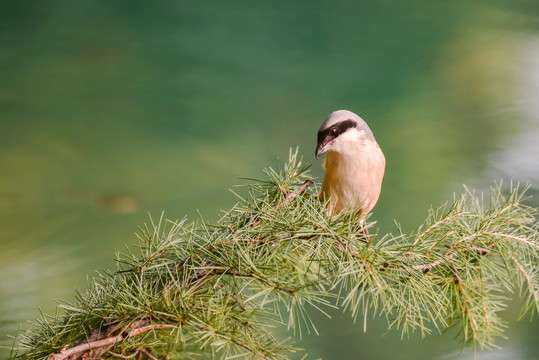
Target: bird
x=354 y=166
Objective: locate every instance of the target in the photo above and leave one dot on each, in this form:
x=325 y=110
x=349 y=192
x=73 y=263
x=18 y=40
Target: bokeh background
x=110 y=110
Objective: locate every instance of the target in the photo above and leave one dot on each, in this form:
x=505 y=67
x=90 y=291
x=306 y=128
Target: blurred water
x=517 y=158
x=110 y=110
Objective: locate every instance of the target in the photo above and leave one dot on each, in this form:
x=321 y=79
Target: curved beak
x=321 y=148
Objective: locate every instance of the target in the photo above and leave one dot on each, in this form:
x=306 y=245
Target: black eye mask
x=334 y=131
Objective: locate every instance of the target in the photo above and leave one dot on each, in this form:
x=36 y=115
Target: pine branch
x=214 y=291
x=76 y=352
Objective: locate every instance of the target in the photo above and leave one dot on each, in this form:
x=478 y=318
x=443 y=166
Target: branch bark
x=78 y=351
x=291 y=196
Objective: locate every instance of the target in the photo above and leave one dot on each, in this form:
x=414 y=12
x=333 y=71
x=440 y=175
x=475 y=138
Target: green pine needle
x=195 y=290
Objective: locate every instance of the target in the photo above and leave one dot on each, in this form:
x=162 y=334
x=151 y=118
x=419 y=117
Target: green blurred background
x=113 y=109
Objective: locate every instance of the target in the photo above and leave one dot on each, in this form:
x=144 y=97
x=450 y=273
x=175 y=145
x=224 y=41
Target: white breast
x=353 y=178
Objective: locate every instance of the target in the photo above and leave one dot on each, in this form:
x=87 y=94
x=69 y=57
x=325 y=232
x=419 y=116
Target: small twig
x=483 y=251
x=216 y=270
x=448 y=254
x=253 y=351
x=125 y=356
x=529 y=280
x=434 y=225
x=367 y=265
x=359 y=257
x=149 y=354
x=465 y=302
x=234 y=341
x=150 y=258
x=201 y=273
x=66 y=353
x=233 y=296
x=291 y=196
x=78 y=350
x=525 y=241
x=259 y=278
x=147 y=328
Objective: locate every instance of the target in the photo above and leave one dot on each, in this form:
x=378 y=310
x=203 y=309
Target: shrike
x=354 y=166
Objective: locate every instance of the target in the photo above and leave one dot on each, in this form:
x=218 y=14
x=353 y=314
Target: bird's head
x=341 y=129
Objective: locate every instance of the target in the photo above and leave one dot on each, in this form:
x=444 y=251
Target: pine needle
x=199 y=290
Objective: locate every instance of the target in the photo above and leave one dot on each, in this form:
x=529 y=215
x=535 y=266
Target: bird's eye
x=333 y=131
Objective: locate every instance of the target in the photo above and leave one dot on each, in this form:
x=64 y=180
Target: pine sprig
x=195 y=290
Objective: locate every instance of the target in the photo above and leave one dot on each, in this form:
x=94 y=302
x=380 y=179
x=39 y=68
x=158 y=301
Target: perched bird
x=354 y=166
